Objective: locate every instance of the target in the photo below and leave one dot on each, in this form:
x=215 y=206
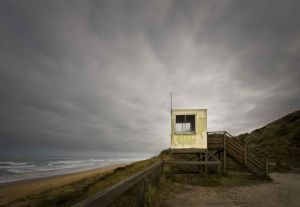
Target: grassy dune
x=279 y=140
x=13 y=191
x=71 y=193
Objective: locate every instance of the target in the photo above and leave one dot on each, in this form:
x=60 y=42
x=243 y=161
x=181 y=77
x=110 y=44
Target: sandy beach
x=16 y=190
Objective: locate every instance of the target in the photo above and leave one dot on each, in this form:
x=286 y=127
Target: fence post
x=157 y=176
x=161 y=169
x=141 y=193
x=267 y=168
x=245 y=154
x=225 y=156
x=206 y=158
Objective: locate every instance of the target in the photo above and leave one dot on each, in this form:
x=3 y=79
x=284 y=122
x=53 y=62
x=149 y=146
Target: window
x=185 y=123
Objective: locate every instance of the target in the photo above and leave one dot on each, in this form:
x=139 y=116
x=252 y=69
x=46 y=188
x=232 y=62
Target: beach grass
x=74 y=192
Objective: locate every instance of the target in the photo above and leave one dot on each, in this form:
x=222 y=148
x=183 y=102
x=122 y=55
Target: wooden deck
x=223 y=144
x=187 y=151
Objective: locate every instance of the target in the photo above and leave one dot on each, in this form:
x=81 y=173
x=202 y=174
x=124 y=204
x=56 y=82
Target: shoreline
x=17 y=189
x=17 y=182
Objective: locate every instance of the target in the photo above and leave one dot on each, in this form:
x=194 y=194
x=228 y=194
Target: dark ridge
x=279 y=140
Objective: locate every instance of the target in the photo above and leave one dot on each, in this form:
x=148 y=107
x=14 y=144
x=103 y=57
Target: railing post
x=267 y=168
x=198 y=166
x=224 y=153
x=245 y=154
x=160 y=173
x=157 y=176
x=206 y=158
x=141 y=193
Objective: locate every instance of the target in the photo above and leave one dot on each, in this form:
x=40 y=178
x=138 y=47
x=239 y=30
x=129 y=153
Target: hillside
x=279 y=139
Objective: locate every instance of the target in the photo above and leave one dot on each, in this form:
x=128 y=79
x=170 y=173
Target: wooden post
x=245 y=154
x=161 y=171
x=267 y=169
x=206 y=158
x=198 y=166
x=224 y=154
x=219 y=166
x=141 y=193
x=158 y=175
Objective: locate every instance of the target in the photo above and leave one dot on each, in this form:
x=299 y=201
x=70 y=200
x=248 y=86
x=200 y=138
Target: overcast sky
x=94 y=77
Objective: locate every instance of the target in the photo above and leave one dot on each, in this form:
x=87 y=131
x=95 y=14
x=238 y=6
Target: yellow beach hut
x=189 y=129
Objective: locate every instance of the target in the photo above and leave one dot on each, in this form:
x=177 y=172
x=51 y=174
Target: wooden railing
x=248 y=157
x=239 y=152
x=215 y=140
x=109 y=195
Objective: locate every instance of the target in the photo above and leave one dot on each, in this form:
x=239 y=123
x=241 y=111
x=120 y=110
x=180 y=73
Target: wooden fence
x=246 y=156
x=239 y=151
x=111 y=194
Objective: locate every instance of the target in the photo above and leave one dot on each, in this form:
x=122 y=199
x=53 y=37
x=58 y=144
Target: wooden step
x=249 y=159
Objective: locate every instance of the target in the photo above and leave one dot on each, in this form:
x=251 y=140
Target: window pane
x=185 y=123
x=179 y=127
x=187 y=127
x=180 y=118
x=190 y=123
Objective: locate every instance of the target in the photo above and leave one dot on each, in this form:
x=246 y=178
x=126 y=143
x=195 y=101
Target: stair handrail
x=216 y=132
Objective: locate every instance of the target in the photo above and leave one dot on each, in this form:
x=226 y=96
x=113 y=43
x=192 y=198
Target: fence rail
x=109 y=195
x=247 y=157
x=181 y=162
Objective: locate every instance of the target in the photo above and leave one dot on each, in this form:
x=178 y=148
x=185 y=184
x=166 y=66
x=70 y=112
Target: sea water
x=17 y=170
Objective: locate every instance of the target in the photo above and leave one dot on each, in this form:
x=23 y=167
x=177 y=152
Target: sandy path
x=284 y=191
x=22 y=189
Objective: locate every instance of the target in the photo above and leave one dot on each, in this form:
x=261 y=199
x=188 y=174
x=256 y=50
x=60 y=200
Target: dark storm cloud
x=95 y=76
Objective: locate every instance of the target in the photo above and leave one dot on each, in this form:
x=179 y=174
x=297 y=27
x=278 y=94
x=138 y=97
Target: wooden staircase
x=239 y=152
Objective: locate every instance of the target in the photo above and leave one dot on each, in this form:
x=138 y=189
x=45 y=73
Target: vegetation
x=75 y=192
x=279 y=140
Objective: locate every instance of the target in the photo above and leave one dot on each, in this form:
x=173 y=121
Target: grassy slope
x=279 y=139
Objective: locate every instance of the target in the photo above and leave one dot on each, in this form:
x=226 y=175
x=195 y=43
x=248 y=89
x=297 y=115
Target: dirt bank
x=283 y=191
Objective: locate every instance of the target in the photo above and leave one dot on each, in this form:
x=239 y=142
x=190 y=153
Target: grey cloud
x=93 y=77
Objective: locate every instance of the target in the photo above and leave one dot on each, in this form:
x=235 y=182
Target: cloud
x=92 y=77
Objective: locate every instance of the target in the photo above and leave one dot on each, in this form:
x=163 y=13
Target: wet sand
x=15 y=190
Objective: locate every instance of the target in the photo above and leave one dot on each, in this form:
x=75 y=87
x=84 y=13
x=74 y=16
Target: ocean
x=17 y=170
